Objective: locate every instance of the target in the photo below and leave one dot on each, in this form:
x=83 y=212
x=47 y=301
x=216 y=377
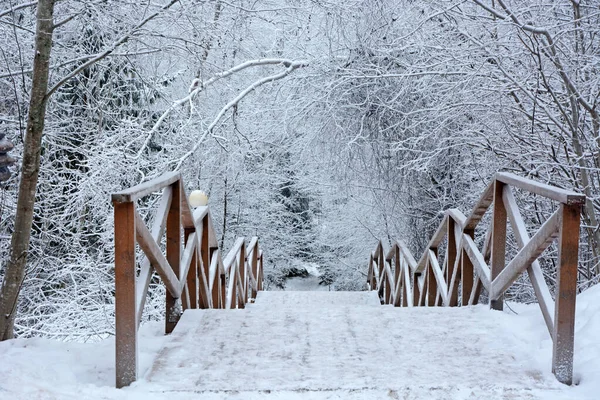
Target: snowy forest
x=320 y=126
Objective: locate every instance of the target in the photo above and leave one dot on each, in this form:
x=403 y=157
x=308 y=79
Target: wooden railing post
x=243 y=281
x=205 y=252
x=254 y=267
x=260 y=278
x=414 y=277
x=499 y=220
x=566 y=290
x=192 y=277
x=173 y=312
x=397 y=278
x=466 y=273
x=432 y=286
x=451 y=254
x=125 y=291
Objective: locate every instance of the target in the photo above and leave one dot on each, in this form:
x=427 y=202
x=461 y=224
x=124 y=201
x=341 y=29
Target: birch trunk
x=15 y=267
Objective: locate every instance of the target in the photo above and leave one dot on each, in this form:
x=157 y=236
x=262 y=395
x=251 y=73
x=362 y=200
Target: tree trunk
x=15 y=268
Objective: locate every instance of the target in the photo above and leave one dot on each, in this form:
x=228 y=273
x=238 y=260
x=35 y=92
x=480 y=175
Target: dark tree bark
x=15 y=267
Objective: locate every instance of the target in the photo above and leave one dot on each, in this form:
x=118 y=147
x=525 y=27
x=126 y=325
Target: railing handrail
x=402 y=281
x=192 y=269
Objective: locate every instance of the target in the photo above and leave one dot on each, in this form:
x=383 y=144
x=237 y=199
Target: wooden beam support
x=158 y=230
x=536 y=276
x=125 y=295
x=172 y=309
x=566 y=290
x=528 y=253
x=435 y=241
x=477 y=260
x=431 y=280
x=192 y=272
x=156 y=257
x=451 y=261
x=498 y=260
x=439 y=279
x=467 y=273
x=487 y=197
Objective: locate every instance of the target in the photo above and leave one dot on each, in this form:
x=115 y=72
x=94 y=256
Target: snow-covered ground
x=44 y=369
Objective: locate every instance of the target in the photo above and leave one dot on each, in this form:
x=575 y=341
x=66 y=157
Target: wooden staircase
x=229 y=338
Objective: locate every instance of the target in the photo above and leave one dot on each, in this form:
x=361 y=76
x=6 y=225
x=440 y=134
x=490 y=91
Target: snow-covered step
x=331 y=345
x=315 y=300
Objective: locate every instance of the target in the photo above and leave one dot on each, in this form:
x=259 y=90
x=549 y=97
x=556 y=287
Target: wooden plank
x=435 y=241
x=218 y=286
x=146 y=188
x=158 y=229
x=484 y=202
x=187 y=219
x=253 y=243
x=126 y=323
x=213 y=270
x=423 y=292
x=232 y=286
x=431 y=280
x=191 y=278
x=222 y=285
x=389 y=278
x=232 y=254
x=243 y=278
x=205 y=250
x=486 y=251
x=173 y=236
x=466 y=272
x=205 y=300
x=457 y=216
x=186 y=260
x=475 y=292
x=253 y=250
x=371 y=273
x=528 y=253
x=158 y=260
x=455 y=279
x=260 y=269
x=451 y=261
x=498 y=240
x=476 y=258
x=439 y=277
x=408 y=257
x=566 y=291
x=199 y=214
x=552 y=192
x=416 y=287
x=534 y=271
x=408 y=296
x=397 y=276
x=212 y=236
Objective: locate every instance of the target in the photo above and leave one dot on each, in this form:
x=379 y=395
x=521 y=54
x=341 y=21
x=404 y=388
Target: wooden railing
x=192 y=268
x=458 y=279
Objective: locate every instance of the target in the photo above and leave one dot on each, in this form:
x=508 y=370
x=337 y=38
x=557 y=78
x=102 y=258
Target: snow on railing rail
x=465 y=272
x=192 y=270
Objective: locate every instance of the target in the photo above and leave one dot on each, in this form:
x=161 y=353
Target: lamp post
x=198 y=199
x=5 y=159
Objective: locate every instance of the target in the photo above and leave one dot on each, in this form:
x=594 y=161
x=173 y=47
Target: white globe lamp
x=198 y=199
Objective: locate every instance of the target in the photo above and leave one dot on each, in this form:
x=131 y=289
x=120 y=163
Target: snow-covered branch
x=198 y=86
x=122 y=40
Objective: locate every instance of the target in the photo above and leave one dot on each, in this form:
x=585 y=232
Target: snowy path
x=344 y=345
